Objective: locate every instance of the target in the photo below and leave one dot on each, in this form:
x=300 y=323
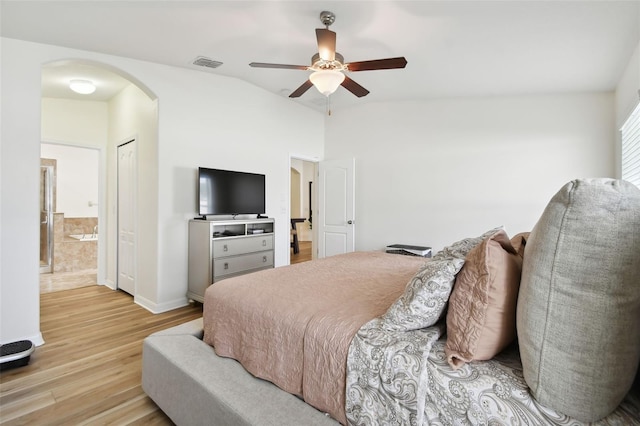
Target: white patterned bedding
x=403 y=378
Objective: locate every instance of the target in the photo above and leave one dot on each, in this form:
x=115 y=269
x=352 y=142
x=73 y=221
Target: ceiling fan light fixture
x=84 y=87
x=328 y=66
x=327 y=81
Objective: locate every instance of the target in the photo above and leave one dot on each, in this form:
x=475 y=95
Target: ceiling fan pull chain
x=329 y=105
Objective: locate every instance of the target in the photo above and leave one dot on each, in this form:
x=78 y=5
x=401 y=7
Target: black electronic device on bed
x=15 y=354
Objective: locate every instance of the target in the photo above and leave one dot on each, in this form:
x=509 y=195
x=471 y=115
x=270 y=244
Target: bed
x=254 y=381
x=297 y=322
x=366 y=338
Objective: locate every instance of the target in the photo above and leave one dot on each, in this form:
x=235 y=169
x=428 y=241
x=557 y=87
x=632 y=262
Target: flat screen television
x=225 y=192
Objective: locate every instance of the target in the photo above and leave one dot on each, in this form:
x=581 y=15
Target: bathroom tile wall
x=79 y=225
x=70 y=254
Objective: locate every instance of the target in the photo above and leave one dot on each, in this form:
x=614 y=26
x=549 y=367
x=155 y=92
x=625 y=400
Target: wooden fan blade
x=378 y=64
x=326 y=44
x=354 y=87
x=288 y=67
x=300 y=90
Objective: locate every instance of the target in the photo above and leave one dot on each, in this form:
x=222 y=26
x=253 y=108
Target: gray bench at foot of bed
x=194 y=386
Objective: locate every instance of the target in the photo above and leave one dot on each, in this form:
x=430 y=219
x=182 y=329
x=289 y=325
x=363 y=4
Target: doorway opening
x=95 y=122
x=303 y=174
x=69 y=216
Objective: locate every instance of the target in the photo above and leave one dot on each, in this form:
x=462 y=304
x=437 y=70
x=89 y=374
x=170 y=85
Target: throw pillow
x=481 y=319
x=461 y=248
x=425 y=297
x=519 y=242
x=578 y=313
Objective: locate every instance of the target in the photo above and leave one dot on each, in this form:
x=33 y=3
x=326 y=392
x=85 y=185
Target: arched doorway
x=93 y=121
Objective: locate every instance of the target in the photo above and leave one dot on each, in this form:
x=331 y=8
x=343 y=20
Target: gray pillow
x=460 y=249
x=425 y=297
x=578 y=313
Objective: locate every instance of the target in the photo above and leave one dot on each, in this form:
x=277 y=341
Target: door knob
x=350 y=222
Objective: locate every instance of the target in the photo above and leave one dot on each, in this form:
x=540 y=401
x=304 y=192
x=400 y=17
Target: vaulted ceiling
x=453 y=48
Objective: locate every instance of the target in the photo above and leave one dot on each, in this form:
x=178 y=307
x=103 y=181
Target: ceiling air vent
x=202 y=61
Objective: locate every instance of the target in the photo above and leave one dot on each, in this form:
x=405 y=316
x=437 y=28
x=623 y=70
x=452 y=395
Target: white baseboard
x=110 y=284
x=162 y=307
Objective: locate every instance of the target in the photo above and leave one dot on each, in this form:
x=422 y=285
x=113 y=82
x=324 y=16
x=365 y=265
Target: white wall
x=76 y=179
x=74 y=122
x=432 y=172
x=19 y=188
x=204 y=120
x=227 y=124
x=134 y=116
x=627 y=96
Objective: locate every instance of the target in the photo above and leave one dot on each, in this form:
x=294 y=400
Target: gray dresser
x=220 y=249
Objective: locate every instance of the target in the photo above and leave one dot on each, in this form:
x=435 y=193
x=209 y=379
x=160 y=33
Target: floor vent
x=201 y=61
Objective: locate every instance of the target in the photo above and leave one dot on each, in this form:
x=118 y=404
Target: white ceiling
x=453 y=48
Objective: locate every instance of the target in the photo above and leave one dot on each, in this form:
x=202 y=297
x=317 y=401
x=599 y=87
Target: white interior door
x=336 y=221
x=126 y=217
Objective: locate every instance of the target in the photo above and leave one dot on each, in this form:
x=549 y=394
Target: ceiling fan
x=328 y=66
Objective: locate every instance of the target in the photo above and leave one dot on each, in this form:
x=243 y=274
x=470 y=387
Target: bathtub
x=85 y=237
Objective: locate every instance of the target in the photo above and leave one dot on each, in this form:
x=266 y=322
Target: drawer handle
x=264 y=243
x=225 y=248
x=264 y=259
x=226 y=265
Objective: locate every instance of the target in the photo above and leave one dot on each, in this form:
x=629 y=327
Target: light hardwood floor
x=303 y=255
x=89 y=369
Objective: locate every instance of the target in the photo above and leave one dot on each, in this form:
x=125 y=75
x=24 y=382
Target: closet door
x=126 y=217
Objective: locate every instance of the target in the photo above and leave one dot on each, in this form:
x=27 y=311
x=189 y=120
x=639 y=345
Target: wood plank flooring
x=303 y=255
x=89 y=369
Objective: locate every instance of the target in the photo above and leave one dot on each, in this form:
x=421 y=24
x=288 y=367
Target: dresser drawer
x=234 y=246
x=242 y=263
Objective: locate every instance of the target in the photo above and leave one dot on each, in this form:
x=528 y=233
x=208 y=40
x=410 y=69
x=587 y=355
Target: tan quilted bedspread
x=293 y=325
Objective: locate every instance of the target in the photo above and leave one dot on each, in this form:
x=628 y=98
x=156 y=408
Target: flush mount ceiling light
x=84 y=87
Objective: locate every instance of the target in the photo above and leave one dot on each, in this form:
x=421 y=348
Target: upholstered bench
x=194 y=386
